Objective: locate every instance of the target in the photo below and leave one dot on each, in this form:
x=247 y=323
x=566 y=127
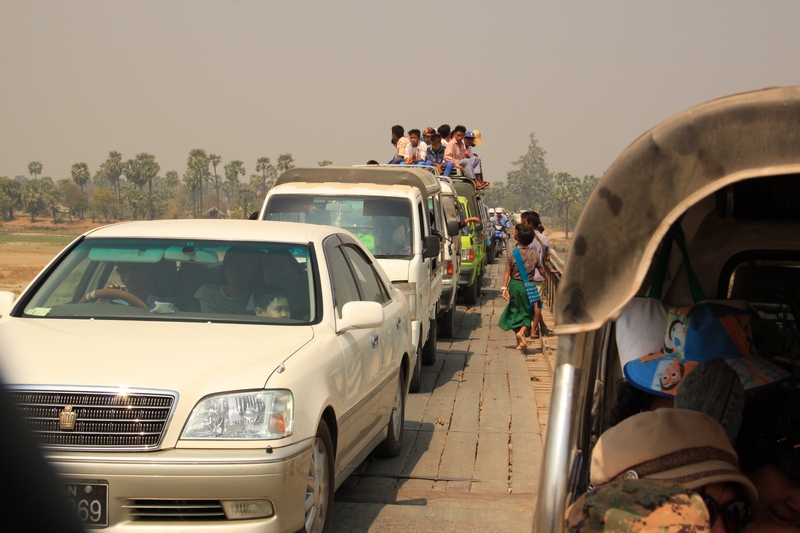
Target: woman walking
x=519 y=310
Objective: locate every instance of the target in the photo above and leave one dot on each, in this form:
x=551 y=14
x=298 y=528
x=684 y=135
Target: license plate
x=89 y=501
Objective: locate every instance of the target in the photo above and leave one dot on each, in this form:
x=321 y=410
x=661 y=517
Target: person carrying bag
x=519 y=290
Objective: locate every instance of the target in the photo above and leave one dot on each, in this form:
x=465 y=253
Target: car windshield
x=174 y=279
x=382 y=224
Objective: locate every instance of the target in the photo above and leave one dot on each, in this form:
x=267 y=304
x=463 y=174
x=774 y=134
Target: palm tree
x=33 y=199
x=285 y=162
x=215 y=160
x=148 y=169
x=131 y=171
x=257 y=182
x=51 y=201
x=113 y=169
x=197 y=164
x=190 y=181
x=264 y=165
x=245 y=196
x=171 y=179
x=34 y=168
x=232 y=172
x=80 y=175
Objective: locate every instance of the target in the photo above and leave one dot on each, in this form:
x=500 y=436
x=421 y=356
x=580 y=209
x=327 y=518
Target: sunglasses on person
x=735 y=514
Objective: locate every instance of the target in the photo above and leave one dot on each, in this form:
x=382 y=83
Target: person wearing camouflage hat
x=639 y=506
x=683 y=447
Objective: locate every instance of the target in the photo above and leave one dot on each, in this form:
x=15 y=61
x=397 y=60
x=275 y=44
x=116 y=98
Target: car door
x=361 y=354
x=373 y=288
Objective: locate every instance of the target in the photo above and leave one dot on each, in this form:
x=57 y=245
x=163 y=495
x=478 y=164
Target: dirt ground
x=26 y=247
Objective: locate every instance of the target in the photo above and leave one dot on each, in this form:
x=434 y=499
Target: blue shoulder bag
x=530 y=287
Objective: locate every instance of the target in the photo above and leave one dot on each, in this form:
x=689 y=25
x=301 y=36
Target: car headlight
x=242 y=415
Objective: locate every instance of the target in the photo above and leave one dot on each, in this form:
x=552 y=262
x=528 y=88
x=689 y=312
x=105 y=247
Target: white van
x=395 y=212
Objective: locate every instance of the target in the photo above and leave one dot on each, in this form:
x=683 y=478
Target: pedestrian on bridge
x=519 y=310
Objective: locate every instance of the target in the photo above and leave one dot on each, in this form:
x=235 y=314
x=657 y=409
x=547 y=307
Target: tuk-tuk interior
x=726 y=173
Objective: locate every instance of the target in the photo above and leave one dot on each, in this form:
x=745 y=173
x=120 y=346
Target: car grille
x=174 y=510
x=104 y=420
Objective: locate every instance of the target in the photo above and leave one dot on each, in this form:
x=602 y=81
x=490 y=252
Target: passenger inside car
x=392 y=236
x=272 y=302
x=232 y=297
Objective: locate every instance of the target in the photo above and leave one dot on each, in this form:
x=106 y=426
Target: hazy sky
x=328 y=79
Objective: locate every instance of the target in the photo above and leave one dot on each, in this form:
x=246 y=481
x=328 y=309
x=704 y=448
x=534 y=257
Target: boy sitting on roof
x=416 y=150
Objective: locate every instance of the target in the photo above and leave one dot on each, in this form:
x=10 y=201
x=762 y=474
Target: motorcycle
x=499 y=239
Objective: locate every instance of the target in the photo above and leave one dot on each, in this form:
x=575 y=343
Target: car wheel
x=319 y=487
x=479 y=283
x=471 y=292
x=416 y=373
x=429 y=350
x=447 y=323
x=390 y=447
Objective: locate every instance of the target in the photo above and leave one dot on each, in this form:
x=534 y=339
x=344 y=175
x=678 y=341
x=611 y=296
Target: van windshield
x=382 y=224
x=179 y=280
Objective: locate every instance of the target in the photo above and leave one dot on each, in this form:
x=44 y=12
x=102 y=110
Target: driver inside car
x=137 y=279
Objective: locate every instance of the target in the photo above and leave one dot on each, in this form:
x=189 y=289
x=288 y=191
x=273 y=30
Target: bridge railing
x=552 y=277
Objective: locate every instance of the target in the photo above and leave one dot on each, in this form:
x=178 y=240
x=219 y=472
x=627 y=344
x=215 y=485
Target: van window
x=375 y=220
x=771 y=289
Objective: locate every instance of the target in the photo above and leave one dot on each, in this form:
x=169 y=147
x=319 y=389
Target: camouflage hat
x=683 y=447
x=639 y=506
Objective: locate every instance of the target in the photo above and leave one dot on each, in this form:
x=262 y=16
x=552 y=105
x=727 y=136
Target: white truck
x=396 y=213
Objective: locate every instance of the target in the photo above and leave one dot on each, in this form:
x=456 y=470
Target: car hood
x=199 y=357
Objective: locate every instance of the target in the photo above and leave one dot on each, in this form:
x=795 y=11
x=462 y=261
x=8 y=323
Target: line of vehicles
x=187 y=375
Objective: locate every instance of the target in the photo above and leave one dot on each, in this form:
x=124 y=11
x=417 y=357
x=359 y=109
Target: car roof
x=655 y=180
x=422 y=179
x=216 y=229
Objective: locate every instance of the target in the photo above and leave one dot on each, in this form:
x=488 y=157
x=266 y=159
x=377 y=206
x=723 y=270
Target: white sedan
x=196 y=375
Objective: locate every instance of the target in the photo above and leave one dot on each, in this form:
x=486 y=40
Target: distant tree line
x=531 y=185
x=209 y=187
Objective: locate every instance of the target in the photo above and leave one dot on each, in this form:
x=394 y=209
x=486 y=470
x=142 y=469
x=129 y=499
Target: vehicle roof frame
x=684 y=159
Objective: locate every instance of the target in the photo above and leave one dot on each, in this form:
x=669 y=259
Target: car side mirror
x=6 y=302
x=361 y=315
x=478 y=226
x=430 y=246
x=452 y=228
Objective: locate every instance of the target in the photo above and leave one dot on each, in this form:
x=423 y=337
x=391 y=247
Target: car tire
x=479 y=283
x=471 y=292
x=391 y=445
x=429 y=349
x=319 y=487
x=447 y=323
x=416 y=373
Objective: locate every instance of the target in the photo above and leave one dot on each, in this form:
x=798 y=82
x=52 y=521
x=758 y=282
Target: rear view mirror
x=478 y=226
x=452 y=228
x=430 y=246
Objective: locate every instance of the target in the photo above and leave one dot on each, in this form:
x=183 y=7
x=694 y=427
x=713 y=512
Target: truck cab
x=396 y=213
